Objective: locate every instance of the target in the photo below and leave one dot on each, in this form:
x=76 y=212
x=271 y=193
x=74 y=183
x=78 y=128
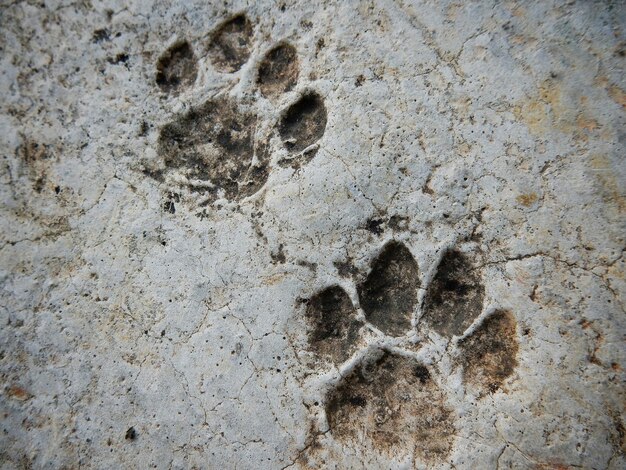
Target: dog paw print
x=387 y=395
x=222 y=148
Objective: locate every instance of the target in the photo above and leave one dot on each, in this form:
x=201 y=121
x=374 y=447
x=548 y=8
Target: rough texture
x=176 y=68
x=393 y=406
x=194 y=234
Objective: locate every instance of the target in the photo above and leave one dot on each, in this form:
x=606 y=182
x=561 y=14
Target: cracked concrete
x=154 y=287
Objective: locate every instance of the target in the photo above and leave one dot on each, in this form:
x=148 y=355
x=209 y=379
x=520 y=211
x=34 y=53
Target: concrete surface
x=312 y=234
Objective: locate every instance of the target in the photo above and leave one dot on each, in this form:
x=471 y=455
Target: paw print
x=384 y=389
x=222 y=148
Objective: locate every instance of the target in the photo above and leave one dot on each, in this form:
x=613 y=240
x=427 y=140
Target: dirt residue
x=392 y=404
x=455 y=295
x=389 y=294
x=334 y=328
x=489 y=355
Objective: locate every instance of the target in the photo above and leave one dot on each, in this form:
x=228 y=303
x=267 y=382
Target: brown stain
x=604 y=172
x=273 y=279
x=593 y=357
x=392 y=405
x=38 y=159
x=32 y=152
x=621 y=434
x=527 y=200
x=556 y=108
x=489 y=354
x=18 y=393
x=598 y=340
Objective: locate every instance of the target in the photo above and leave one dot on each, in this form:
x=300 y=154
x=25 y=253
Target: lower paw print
x=222 y=148
x=391 y=403
x=386 y=397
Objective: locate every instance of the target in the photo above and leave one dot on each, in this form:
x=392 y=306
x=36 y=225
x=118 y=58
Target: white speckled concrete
x=498 y=124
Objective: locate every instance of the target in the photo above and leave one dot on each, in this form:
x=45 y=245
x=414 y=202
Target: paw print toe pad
x=489 y=354
x=389 y=294
x=278 y=72
x=303 y=123
x=176 y=68
x=334 y=327
x=454 y=298
x=231 y=44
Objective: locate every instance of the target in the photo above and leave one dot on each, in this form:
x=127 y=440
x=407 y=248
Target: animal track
x=176 y=68
x=387 y=399
x=279 y=70
x=303 y=124
x=390 y=400
x=392 y=403
x=389 y=294
x=213 y=146
x=335 y=327
x=455 y=296
x=221 y=148
x=489 y=356
x=231 y=44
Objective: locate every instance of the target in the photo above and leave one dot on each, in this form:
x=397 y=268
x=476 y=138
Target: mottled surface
x=174 y=195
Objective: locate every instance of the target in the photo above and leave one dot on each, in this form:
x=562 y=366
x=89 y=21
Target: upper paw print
x=222 y=148
x=390 y=397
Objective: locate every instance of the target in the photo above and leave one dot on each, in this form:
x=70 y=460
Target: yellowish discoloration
x=274 y=279
x=605 y=174
x=615 y=93
x=586 y=123
x=554 y=108
x=527 y=200
x=18 y=393
x=452 y=11
x=522 y=40
x=464 y=148
x=618 y=95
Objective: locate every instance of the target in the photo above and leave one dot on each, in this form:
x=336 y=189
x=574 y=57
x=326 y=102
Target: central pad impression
x=392 y=403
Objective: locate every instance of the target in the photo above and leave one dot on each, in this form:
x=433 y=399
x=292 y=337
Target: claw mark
x=389 y=294
x=335 y=329
x=278 y=72
x=392 y=404
x=455 y=296
x=489 y=355
x=230 y=44
x=176 y=68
